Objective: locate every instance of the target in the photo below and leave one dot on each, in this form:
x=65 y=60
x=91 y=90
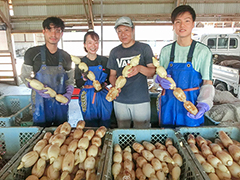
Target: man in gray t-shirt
x=133 y=102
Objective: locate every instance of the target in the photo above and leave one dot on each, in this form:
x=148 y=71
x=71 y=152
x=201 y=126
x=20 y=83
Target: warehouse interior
x=180 y=148
x=20 y=28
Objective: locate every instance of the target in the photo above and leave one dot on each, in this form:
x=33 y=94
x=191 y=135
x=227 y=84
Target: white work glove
x=204 y=101
x=206 y=95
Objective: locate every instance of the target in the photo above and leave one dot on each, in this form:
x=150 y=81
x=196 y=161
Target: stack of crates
x=210 y=133
x=126 y=137
x=12 y=142
x=14 y=110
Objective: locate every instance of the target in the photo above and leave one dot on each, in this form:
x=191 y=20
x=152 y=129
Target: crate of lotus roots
x=147 y=154
x=215 y=150
x=62 y=153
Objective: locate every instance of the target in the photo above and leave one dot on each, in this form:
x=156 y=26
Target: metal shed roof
x=28 y=14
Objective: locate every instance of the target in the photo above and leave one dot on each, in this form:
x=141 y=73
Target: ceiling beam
x=211 y=1
x=135 y=17
x=86 y=13
x=41 y=18
x=134 y=2
x=166 y=2
x=5 y=20
x=45 y=3
x=178 y=2
x=116 y=2
x=90 y=13
x=198 y=24
x=126 y=2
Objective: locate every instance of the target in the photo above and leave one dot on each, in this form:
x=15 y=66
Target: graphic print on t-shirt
x=124 y=61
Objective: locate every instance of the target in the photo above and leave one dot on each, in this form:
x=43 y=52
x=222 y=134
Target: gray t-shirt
x=136 y=89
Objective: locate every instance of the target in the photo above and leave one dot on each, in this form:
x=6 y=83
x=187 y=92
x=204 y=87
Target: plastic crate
x=126 y=137
x=12 y=142
x=209 y=132
x=209 y=121
x=26 y=123
x=22 y=174
x=14 y=109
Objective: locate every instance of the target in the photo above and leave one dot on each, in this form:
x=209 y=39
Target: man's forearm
x=112 y=80
x=26 y=72
x=147 y=71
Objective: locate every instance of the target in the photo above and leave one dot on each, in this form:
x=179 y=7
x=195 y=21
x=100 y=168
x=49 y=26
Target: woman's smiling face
x=91 y=45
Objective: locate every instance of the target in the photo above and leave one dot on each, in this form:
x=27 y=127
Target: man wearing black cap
x=133 y=102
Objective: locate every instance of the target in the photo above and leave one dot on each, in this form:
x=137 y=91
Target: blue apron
x=48 y=111
x=189 y=80
x=96 y=110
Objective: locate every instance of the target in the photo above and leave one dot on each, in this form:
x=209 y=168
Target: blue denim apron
x=189 y=80
x=48 y=111
x=96 y=110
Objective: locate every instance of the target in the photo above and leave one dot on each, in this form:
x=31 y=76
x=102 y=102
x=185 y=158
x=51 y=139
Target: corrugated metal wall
x=48 y=8
x=218 y=11
x=28 y=14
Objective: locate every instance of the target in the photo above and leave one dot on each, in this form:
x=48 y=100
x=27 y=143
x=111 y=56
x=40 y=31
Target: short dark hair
x=93 y=35
x=55 y=21
x=182 y=9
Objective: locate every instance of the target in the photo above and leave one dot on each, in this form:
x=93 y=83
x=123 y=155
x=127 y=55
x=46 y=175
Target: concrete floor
x=74 y=110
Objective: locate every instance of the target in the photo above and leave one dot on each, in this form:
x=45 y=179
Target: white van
x=226 y=44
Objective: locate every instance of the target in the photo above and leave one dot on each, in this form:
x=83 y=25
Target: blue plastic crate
x=12 y=141
x=210 y=121
x=207 y=132
x=210 y=132
x=13 y=174
x=126 y=137
x=14 y=109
